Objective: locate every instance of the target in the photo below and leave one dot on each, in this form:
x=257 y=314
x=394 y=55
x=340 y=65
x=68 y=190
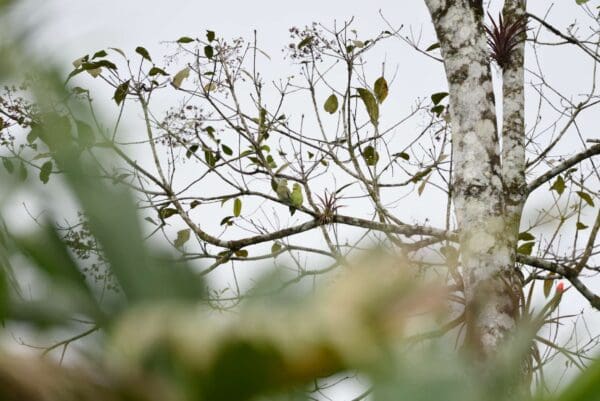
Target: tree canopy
x=426 y=245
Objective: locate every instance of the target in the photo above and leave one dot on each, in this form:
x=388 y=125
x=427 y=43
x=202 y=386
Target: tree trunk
x=487 y=246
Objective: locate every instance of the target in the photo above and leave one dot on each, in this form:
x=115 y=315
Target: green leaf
x=433 y=47
x=381 y=89
x=237 y=207
x=210 y=35
x=121 y=92
x=8 y=165
x=183 y=236
x=78 y=62
x=402 y=155
x=155 y=71
x=185 y=39
x=22 y=172
x=143 y=52
x=559 y=185
x=121 y=52
x=242 y=253
x=305 y=42
x=227 y=150
x=548 y=284
x=586 y=197
x=227 y=220
x=276 y=247
x=180 y=76
x=580 y=2
x=210 y=158
x=437 y=110
x=166 y=212
x=99 y=54
x=192 y=149
x=526 y=248
x=436 y=98
x=210 y=87
x=194 y=204
x=581 y=226
x=45 y=171
x=331 y=104
x=98 y=64
x=209 y=52
x=371 y=155
x=421 y=187
x=370 y=103
x=526 y=236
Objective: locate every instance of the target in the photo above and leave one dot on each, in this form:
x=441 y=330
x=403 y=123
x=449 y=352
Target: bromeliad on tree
x=504 y=36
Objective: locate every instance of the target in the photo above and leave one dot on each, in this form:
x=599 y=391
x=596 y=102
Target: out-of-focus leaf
x=167 y=212
x=99 y=54
x=22 y=171
x=85 y=134
x=526 y=236
x=370 y=155
x=237 y=207
x=143 y=52
x=183 y=236
x=45 y=172
x=586 y=197
x=51 y=256
x=242 y=253
x=155 y=71
x=305 y=42
x=436 y=98
x=8 y=165
x=209 y=52
x=370 y=104
x=381 y=89
x=180 y=76
x=559 y=185
x=526 y=248
x=121 y=92
x=331 y=104
x=584 y=387
x=276 y=247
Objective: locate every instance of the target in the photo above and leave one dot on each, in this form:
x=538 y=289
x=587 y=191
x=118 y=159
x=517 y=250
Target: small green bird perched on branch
x=295 y=198
x=283 y=192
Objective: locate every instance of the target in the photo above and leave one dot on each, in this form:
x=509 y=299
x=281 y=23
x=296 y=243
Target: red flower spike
x=560 y=287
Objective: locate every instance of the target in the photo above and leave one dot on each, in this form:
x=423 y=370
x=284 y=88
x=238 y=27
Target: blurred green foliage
x=161 y=342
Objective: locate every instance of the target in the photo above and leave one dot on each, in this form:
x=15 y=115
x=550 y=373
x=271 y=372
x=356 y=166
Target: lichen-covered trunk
x=513 y=128
x=478 y=187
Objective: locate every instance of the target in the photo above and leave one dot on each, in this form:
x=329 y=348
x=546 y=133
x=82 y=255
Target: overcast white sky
x=68 y=29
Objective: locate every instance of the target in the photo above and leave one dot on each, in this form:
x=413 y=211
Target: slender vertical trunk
x=491 y=305
x=513 y=128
